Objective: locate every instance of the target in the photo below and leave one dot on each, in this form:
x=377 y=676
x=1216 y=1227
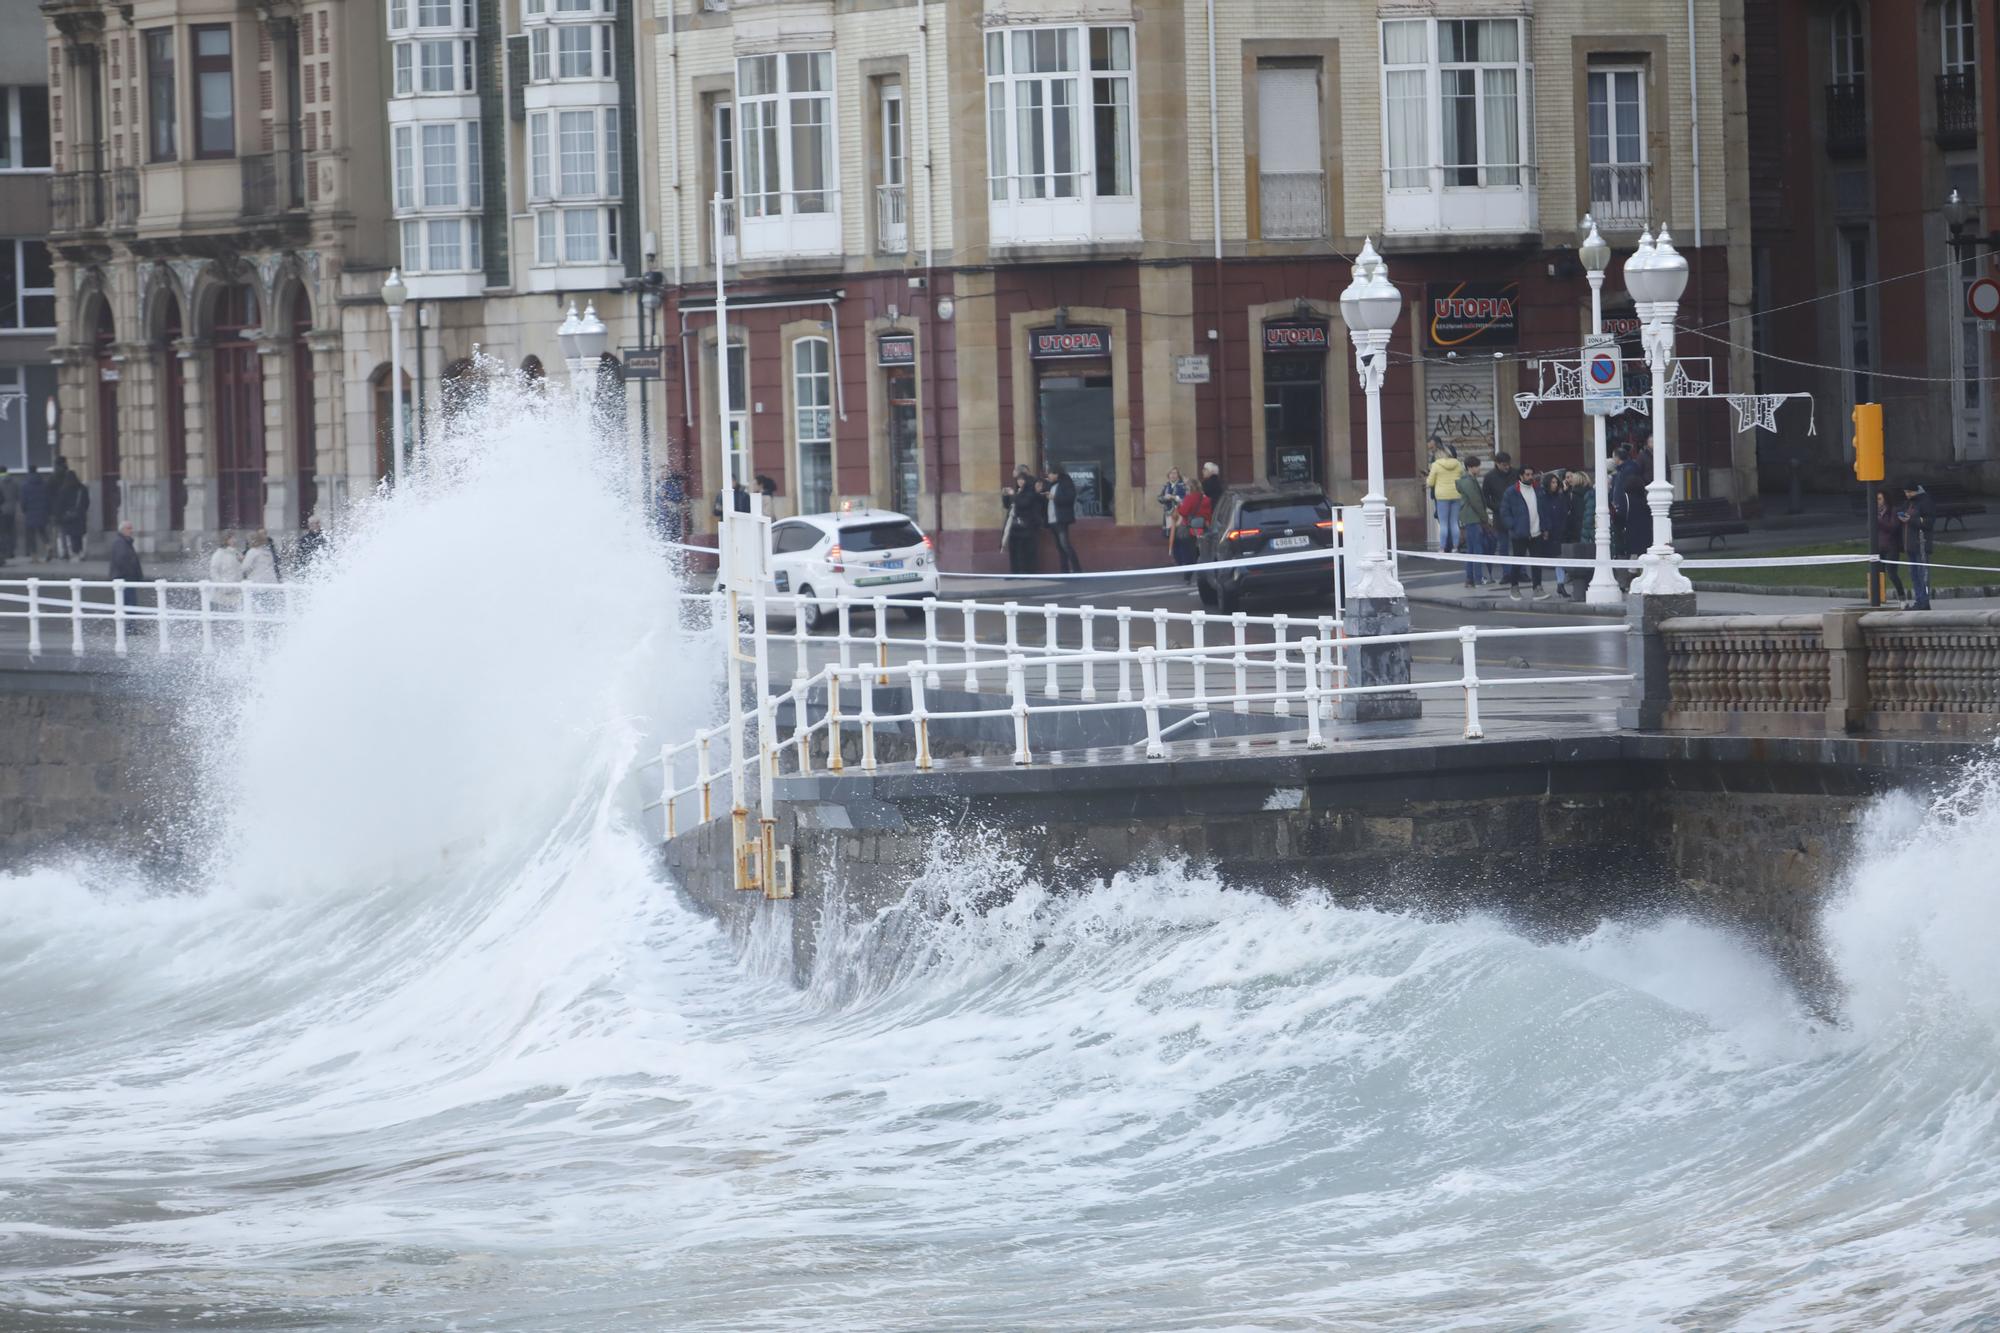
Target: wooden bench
x=1954 y=502
x=1713 y=519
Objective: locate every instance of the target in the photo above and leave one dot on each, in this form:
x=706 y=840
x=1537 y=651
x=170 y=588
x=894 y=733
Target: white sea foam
x=433 y=1046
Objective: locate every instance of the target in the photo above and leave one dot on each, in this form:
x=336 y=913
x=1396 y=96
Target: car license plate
x=1289 y=543
x=889 y=564
x=885 y=578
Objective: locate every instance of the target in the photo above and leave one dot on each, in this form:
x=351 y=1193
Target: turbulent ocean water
x=423 y=1040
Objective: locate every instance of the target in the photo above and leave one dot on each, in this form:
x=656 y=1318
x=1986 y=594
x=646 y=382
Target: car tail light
x=1236 y=533
x=833 y=557
x=1326 y=523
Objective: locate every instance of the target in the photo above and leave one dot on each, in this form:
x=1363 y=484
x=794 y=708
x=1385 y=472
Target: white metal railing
x=892 y=233
x=1618 y=195
x=1305 y=672
x=1292 y=204
x=161 y=617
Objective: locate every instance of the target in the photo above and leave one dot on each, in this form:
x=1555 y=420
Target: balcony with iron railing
x=1846 y=119
x=1619 y=195
x=273 y=183
x=1957 y=110
x=1292 y=205
x=892 y=232
x=80 y=200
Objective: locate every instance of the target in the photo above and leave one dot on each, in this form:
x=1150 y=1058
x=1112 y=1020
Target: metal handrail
x=216 y=605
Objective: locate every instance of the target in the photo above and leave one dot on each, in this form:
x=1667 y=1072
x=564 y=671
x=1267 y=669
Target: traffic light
x=1868 y=442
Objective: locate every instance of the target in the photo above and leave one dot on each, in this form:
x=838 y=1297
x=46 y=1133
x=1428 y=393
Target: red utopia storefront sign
x=1474 y=314
x=1058 y=344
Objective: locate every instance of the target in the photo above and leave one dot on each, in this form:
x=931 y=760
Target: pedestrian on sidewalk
x=1475 y=522
x=1889 y=542
x=125 y=562
x=311 y=545
x=1062 y=514
x=1494 y=487
x=1441 y=481
x=225 y=566
x=1191 y=520
x=1021 y=532
x=1555 y=523
x=75 y=517
x=1919 y=523
x=35 y=501
x=1637 y=524
x=1521 y=520
x=1172 y=491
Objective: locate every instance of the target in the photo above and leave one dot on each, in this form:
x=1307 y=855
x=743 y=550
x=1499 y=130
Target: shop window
x=1074 y=412
x=1295 y=353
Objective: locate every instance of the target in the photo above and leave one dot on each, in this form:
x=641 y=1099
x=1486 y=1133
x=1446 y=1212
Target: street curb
x=1768 y=590
x=1552 y=607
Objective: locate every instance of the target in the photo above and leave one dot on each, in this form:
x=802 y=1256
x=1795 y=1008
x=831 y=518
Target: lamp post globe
x=566 y=336
x=591 y=335
x=1369 y=308
x=1656 y=287
x=1594 y=253
x=1954 y=214
x=1669 y=271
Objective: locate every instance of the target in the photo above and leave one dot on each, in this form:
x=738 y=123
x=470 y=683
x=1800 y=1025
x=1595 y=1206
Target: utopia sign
x=1474 y=314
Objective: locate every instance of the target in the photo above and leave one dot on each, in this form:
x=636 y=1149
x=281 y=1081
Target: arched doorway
x=106 y=339
x=237 y=440
x=173 y=392
x=305 y=443
x=381 y=391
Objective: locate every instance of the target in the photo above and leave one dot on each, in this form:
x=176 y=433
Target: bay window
x=436 y=186
x=573 y=156
x=1457 y=119
x=214 y=92
x=790 y=200
x=160 y=112
x=435 y=66
x=1061 y=148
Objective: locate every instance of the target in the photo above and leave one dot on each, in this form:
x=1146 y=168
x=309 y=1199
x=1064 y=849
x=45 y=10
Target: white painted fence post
x=971 y=613
x=1051 y=633
x=1198 y=628
x=1149 y=681
x=1017 y=687
x=1315 y=656
x=1281 y=673
x=1086 y=616
x=160 y=615
x=34 y=617
x=920 y=717
x=208 y=620
x=1238 y=623
x=118 y=616
x=931 y=641
x=76 y=617
x=1124 y=654
x=1468 y=639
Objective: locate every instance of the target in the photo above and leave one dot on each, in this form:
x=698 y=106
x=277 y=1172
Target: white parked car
x=859 y=553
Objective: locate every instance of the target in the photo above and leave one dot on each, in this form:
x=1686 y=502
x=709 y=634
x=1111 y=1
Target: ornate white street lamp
x=1596 y=257
x=583 y=340
x=1369 y=307
x=394 y=293
x=1656 y=275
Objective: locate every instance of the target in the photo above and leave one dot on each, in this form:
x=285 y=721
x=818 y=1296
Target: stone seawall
x=91 y=760
x=1556 y=835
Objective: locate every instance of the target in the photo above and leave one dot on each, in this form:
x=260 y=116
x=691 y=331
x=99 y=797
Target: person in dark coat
x=1555 y=525
x=1889 y=541
x=1636 y=523
x=1062 y=513
x=1026 y=507
x=1521 y=524
x=125 y=562
x=35 y=507
x=1919 y=522
x=311 y=544
x=1493 y=486
x=75 y=517
x=673 y=506
x=742 y=500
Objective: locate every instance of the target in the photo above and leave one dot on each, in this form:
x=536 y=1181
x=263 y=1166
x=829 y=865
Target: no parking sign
x=1603 y=377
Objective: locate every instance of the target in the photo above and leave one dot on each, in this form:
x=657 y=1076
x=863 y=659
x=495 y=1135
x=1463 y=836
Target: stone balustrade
x=1847 y=671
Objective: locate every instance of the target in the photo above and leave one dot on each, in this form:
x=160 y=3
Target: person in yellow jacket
x=1442 y=482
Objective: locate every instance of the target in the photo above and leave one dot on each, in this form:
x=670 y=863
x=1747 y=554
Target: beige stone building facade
x=1113 y=236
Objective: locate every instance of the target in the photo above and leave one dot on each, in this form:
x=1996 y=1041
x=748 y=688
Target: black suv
x=1267 y=519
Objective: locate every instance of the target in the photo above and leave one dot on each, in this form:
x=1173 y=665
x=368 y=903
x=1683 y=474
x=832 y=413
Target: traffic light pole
x=1874 y=548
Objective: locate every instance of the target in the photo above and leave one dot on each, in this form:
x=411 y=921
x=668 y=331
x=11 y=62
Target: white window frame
x=1619 y=206
x=18 y=248
x=781 y=219
x=892 y=233
x=1421 y=196
x=1044 y=69
x=430 y=17
x=1957 y=51
x=1848 y=37
x=423 y=197
x=812 y=419
x=738 y=411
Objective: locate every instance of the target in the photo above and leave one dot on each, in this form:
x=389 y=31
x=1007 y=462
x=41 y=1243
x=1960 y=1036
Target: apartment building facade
x=1866 y=119
x=27 y=273
x=233 y=183
x=968 y=236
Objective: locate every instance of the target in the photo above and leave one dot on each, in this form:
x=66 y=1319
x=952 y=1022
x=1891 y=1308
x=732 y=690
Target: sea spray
x=434 y=1047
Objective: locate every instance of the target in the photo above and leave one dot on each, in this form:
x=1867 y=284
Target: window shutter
x=517 y=78
x=1288 y=119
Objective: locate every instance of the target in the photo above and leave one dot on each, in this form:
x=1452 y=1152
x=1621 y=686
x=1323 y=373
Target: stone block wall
x=88 y=763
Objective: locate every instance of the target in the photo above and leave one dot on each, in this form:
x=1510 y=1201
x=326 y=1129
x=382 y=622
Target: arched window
x=812 y=415
x=1850 y=59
